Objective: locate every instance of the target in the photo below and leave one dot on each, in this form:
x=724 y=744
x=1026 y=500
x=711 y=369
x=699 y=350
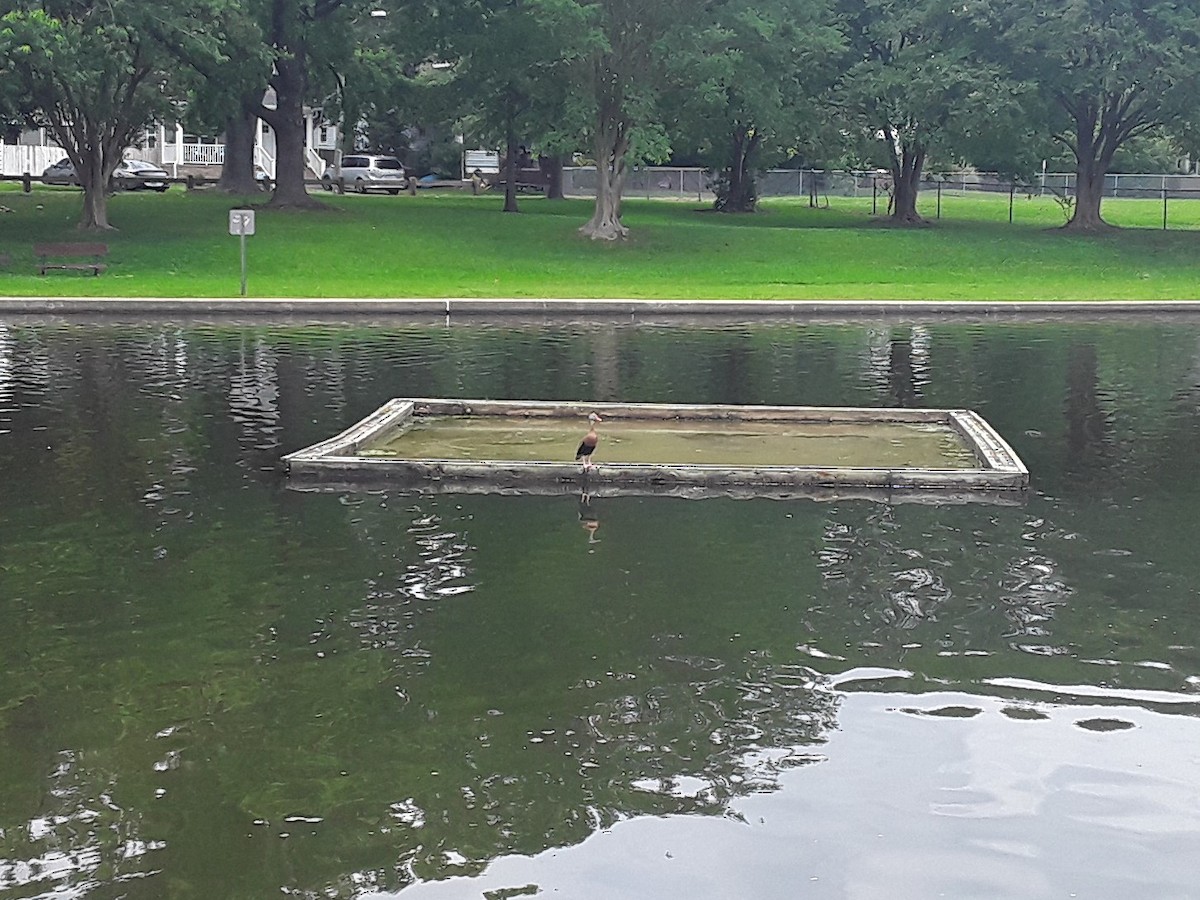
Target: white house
x=179 y=152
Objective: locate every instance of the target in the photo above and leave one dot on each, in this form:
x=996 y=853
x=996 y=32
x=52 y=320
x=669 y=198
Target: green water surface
x=213 y=685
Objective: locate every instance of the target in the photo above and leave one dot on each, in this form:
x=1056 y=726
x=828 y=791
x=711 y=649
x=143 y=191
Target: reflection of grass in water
x=688 y=442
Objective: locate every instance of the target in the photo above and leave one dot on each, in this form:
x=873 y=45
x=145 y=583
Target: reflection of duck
x=587 y=518
x=588 y=445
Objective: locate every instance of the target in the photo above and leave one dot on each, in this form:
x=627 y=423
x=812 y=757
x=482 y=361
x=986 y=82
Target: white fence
x=17 y=159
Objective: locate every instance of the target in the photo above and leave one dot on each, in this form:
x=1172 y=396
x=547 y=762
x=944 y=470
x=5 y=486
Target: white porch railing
x=203 y=154
x=316 y=165
x=264 y=160
x=214 y=155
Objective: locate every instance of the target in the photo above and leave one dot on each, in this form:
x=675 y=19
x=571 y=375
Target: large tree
x=1104 y=72
x=623 y=64
x=511 y=73
x=317 y=46
x=748 y=98
x=293 y=29
x=915 y=81
x=228 y=96
x=96 y=74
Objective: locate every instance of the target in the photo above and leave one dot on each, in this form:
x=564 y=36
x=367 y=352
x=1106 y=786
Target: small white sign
x=241 y=221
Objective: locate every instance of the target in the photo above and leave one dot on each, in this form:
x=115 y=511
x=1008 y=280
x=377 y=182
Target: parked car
x=130 y=174
x=363 y=172
x=139 y=175
x=61 y=172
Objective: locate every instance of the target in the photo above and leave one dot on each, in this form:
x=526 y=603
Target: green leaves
x=96 y=74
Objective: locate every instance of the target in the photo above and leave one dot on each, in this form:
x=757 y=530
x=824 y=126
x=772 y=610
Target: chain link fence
x=695 y=184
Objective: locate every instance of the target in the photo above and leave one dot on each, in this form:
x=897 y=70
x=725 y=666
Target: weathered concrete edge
x=337 y=458
x=627 y=309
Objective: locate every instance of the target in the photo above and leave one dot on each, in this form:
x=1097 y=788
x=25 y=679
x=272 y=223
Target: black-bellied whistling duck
x=588 y=445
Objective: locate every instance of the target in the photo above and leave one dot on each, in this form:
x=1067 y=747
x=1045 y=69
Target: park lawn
x=454 y=245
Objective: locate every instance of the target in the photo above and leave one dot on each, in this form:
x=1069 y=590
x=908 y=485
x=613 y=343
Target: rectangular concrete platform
x=371 y=452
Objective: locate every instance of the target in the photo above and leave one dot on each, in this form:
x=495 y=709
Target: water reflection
x=589 y=518
x=899 y=365
x=345 y=693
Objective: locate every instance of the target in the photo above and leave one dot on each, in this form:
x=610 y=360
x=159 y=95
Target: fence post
x=27 y=183
x=939 y=208
x=1164 y=195
x=1012 y=189
x=874 y=194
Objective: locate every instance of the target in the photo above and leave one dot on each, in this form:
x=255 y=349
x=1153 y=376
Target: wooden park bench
x=528 y=181
x=70 y=257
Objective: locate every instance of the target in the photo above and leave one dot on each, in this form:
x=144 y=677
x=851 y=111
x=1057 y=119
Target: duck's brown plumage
x=588 y=445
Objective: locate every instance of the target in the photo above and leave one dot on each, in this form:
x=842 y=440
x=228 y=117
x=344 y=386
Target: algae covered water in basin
x=529 y=446
x=682 y=442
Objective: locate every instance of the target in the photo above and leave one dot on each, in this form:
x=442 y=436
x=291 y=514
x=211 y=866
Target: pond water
x=214 y=686
x=683 y=443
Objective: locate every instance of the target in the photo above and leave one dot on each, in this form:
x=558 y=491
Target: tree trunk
x=237 y=169
x=95 y=210
x=94 y=150
x=1100 y=129
x=611 y=172
x=1089 y=190
x=737 y=191
x=906 y=168
x=510 y=164
x=287 y=119
x=552 y=170
x=94 y=175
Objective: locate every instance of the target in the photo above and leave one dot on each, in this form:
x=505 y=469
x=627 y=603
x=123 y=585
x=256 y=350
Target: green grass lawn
x=454 y=245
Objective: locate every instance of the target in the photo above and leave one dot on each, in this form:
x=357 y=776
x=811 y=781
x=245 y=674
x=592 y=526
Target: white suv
x=364 y=172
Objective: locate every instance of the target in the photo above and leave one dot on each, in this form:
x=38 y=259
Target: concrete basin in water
x=686 y=450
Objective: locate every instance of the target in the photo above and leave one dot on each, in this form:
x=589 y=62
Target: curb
x=575 y=309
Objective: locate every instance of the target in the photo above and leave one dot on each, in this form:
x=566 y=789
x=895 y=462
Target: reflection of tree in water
x=254 y=395
x=665 y=731
x=79 y=837
x=898 y=365
x=1089 y=427
x=727 y=731
x=898 y=580
x=689 y=742
x=429 y=563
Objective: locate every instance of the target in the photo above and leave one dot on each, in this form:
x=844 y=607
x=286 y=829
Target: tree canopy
x=95 y=75
x=1103 y=73
x=755 y=94
x=737 y=85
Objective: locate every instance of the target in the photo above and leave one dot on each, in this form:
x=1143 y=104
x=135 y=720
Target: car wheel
x=393 y=191
x=163 y=188
x=326 y=184
x=360 y=186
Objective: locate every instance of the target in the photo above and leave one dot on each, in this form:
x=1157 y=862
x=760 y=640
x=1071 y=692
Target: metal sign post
x=241 y=223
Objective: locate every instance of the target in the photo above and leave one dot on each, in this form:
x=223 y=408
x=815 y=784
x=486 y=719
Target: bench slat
x=70 y=249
